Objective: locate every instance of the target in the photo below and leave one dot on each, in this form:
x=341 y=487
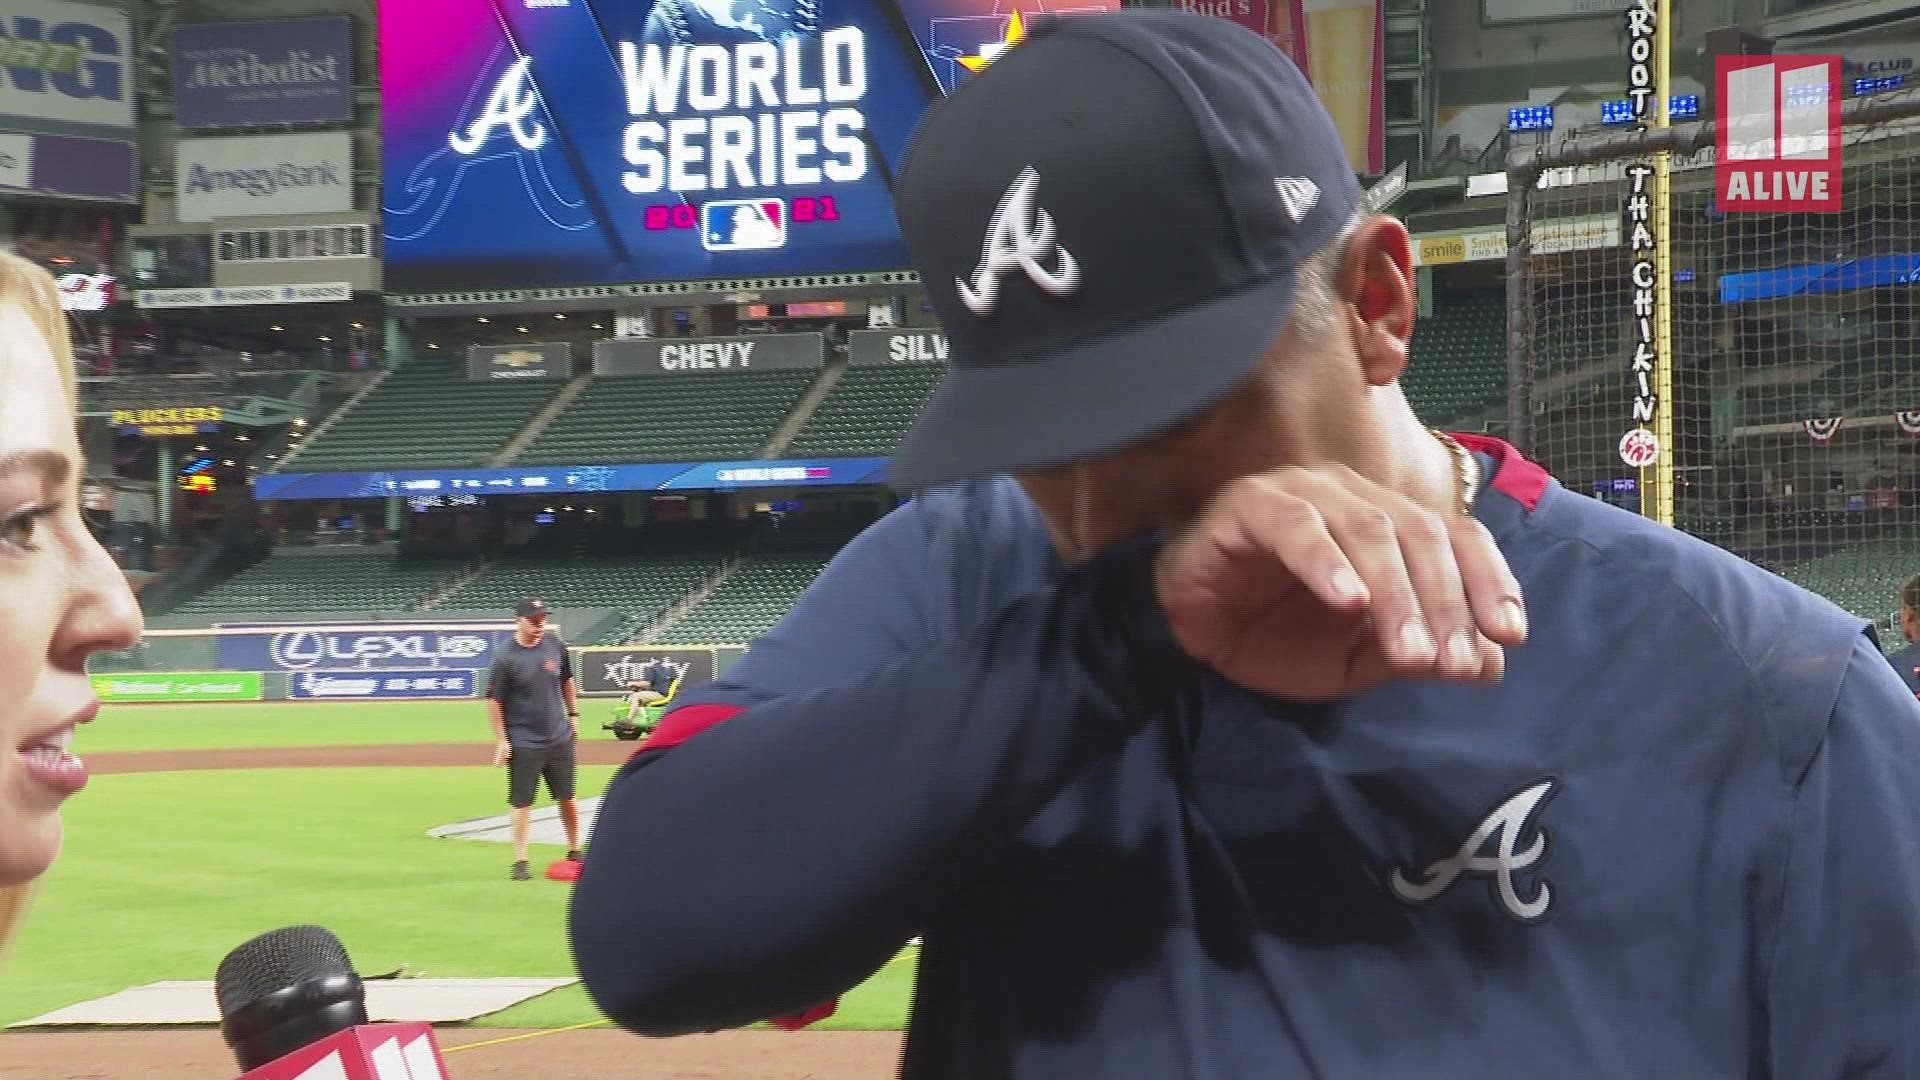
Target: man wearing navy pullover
x=1207 y=745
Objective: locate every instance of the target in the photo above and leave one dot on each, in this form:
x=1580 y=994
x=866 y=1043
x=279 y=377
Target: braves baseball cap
x=532 y=609
x=1108 y=221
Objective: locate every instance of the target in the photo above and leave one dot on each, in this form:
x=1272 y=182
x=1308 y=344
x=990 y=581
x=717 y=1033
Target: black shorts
x=526 y=768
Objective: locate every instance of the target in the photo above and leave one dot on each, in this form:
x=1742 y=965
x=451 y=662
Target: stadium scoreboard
x=534 y=145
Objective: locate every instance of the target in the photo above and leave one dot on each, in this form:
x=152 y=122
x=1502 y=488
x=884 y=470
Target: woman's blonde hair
x=25 y=284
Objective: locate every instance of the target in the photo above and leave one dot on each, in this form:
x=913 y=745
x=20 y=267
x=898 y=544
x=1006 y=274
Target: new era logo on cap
x=1297 y=194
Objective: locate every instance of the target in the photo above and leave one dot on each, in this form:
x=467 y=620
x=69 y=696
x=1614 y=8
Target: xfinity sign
x=1778 y=134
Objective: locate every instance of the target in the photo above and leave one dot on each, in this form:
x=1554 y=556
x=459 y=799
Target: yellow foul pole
x=1657 y=481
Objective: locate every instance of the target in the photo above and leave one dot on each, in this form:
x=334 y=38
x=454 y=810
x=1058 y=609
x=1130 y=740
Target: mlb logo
x=743 y=225
x=1778 y=137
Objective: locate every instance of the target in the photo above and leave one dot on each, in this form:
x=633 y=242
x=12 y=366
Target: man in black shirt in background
x=536 y=722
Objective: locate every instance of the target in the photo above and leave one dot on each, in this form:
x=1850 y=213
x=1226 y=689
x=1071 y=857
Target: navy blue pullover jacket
x=1681 y=839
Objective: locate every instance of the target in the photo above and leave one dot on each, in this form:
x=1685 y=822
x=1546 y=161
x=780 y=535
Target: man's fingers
x=1490 y=586
x=1370 y=538
x=1426 y=545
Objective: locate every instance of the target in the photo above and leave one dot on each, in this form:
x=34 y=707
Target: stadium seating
x=747 y=604
x=324 y=581
x=1459 y=361
x=1864 y=579
x=686 y=417
x=866 y=412
x=642 y=587
x=427 y=414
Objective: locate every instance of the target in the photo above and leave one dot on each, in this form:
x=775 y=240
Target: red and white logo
x=86 y=292
x=1639 y=448
x=1778 y=137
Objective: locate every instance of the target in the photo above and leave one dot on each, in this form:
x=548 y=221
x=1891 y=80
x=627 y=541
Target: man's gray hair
x=1317 y=287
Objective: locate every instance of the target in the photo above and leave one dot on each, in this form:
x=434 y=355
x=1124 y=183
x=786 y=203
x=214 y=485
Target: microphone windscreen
x=275 y=961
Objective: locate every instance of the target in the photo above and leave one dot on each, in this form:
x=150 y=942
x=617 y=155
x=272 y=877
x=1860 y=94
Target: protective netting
x=1796 y=355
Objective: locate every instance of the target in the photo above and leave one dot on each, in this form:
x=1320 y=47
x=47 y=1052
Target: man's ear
x=1376 y=280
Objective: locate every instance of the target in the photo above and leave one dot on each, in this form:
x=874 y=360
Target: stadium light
x=277 y=329
x=559 y=315
x=356 y=326
x=242 y=438
x=433 y=344
x=324 y=339
x=199 y=449
x=522 y=329
x=483 y=318
x=597 y=326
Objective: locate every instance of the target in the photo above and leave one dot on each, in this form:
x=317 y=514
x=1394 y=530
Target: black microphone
x=285 y=990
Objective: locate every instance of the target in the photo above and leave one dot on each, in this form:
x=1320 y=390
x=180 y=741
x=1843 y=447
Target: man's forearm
x=816 y=831
x=567 y=692
x=499 y=716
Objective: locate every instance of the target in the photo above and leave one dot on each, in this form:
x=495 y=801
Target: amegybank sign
x=264 y=175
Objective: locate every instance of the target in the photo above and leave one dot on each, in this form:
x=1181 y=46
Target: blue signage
x=278 y=71
x=571 y=479
x=400 y=649
x=578 y=143
x=398 y=683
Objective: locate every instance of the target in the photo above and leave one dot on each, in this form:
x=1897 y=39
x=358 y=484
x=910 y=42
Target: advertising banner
x=326 y=292
x=367 y=685
x=589 y=141
x=264 y=175
x=535 y=360
x=875 y=348
x=1279 y=21
x=161 y=423
x=571 y=479
x=603 y=670
x=1497 y=12
x=1347 y=63
x=180 y=686
x=673 y=356
x=278 y=71
x=399 y=648
x=65 y=62
x=66 y=165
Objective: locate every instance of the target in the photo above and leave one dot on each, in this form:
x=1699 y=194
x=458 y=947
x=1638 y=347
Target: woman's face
x=61 y=599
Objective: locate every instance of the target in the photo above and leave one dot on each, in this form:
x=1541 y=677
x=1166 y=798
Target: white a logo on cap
x=1022 y=237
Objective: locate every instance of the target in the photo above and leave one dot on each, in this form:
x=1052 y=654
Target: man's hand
x=1313 y=584
x=502 y=750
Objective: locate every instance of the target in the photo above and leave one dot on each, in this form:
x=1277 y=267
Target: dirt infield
x=419 y=755
x=597 y=1054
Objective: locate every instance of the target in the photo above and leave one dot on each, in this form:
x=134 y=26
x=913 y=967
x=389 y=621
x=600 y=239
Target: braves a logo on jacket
x=1505 y=830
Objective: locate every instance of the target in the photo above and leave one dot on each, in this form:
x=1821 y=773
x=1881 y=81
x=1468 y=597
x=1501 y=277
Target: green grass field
x=164 y=873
